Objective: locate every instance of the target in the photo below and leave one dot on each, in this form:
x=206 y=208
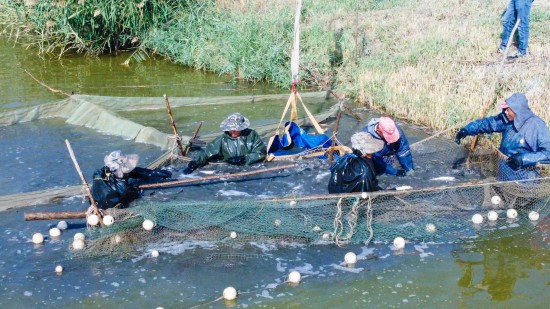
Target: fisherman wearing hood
x=238 y=145
x=395 y=143
x=355 y=172
x=116 y=183
x=525 y=138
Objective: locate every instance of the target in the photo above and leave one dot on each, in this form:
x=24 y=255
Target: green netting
x=339 y=219
x=102 y=113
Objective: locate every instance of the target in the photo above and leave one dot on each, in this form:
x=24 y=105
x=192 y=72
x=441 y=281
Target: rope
x=352 y=222
x=369 y=219
x=338 y=226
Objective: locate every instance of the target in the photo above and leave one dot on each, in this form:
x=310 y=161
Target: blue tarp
x=296 y=141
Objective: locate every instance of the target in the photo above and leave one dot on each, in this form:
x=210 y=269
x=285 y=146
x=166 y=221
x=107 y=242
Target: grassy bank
x=432 y=62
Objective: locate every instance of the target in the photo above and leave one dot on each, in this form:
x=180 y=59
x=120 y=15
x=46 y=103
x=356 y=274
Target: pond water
x=511 y=271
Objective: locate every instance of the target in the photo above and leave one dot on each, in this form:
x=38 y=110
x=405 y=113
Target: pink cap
x=504 y=105
x=389 y=130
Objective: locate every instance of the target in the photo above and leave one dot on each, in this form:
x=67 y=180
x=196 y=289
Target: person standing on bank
x=525 y=138
x=237 y=145
x=395 y=143
x=355 y=172
x=517 y=9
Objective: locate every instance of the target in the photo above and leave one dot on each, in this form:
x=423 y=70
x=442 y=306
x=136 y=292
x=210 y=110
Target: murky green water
x=510 y=272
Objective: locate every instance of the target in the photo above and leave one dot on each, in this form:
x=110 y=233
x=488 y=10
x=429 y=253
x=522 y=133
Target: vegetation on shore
x=432 y=62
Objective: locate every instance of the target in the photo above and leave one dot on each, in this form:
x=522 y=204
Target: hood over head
x=518 y=103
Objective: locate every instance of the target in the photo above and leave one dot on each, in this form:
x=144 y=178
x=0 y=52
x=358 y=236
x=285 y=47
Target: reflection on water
x=495 y=266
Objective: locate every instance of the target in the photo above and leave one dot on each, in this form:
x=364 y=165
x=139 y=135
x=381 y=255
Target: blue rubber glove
x=460 y=135
x=239 y=160
x=190 y=167
x=516 y=160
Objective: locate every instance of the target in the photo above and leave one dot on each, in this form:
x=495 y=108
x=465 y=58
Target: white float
x=62 y=225
x=108 y=220
x=326 y=236
x=78 y=244
x=59 y=269
x=294 y=277
x=350 y=258
x=55 y=232
x=118 y=238
x=92 y=220
x=492 y=215
x=277 y=222
x=399 y=243
x=233 y=235
x=533 y=216
x=477 y=219
x=430 y=228
x=292 y=203
x=37 y=238
x=229 y=293
x=154 y=253
x=316 y=229
x=79 y=236
x=512 y=213
x=148 y=225
x=364 y=195
x=495 y=200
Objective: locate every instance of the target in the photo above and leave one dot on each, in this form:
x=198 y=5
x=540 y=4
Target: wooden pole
x=84 y=183
x=217 y=177
x=188 y=147
x=336 y=126
x=173 y=125
x=54 y=215
x=495 y=81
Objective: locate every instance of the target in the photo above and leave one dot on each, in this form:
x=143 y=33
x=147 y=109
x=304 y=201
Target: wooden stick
x=30 y=216
x=173 y=125
x=486 y=108
x=217 y=177
x=188 y=147
x=84 y=183
x=336 y=127
x=48 y=87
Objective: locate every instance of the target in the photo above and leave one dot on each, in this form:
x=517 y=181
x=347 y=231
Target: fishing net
x=441 y=214
x=144 y=120
x=328 y=219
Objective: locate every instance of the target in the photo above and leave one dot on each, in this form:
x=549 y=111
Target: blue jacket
x=400 y=148
x=527 y=135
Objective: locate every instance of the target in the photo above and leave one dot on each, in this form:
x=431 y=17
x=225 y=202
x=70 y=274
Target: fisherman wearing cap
x=116 y=183
x=355 y=172
x=238 y=145
x=395 y=143
x=525 y=138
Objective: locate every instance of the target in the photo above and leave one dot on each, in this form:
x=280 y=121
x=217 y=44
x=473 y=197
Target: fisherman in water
x=116 y=184
x=525 y=138
x=237 y=145
x=395 y=143
x=355 y=172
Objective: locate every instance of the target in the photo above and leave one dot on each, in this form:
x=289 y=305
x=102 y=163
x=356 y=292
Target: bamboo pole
x=84 y=183
x=495 y=81
x=217 y=177
x=188 y=147
x=173 y=125
x=54 y=215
